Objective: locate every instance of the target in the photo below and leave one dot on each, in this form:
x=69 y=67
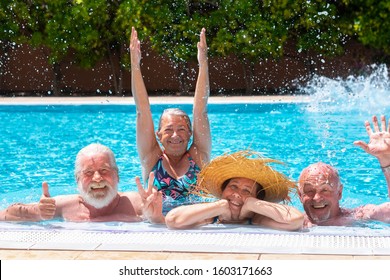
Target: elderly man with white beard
x=98 y=199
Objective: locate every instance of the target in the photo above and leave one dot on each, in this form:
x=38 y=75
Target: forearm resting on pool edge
x=21 y=212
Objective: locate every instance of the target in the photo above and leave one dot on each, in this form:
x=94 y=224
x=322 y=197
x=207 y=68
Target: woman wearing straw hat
x=248 y=190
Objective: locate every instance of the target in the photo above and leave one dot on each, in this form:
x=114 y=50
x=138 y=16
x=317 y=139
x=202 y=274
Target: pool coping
x=144 y=241
x=209 y=239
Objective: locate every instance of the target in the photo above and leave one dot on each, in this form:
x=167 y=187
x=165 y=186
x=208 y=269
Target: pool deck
x=135 y=255
x=34 y=254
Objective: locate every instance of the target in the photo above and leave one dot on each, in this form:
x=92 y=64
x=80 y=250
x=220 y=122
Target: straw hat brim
x=245 y=164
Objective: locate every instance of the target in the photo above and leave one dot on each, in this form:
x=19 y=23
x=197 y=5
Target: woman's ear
x=158 y=136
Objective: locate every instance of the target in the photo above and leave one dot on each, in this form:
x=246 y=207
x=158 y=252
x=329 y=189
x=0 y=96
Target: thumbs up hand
x=47 y=204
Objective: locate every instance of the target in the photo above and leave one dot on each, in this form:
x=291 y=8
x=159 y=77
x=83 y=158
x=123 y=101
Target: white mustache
x=98 y=202
x=100 y=185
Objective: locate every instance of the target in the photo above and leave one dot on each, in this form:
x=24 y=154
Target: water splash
x=334 y=119
x=368 y=93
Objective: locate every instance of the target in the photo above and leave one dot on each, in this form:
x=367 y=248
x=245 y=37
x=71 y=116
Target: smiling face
x=97 y=180
x=320 y=191
x=174 y=134
x=237 y=191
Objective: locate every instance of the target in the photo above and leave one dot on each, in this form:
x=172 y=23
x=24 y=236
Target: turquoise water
x=39 y=143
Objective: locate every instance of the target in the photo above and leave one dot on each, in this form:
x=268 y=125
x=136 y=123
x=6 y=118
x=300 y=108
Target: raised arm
x=273 y=215
x=190 y=216
x=378 y=145
x=148 y=147
x=201 y=147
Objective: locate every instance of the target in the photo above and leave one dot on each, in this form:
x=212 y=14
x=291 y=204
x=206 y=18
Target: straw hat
x=246 y=164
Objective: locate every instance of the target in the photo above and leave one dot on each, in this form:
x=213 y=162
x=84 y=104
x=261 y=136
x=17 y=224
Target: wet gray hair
x=175 y=112
x=324 y=169
x=92 y=149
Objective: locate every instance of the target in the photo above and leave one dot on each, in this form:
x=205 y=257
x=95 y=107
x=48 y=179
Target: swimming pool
x=40 y=142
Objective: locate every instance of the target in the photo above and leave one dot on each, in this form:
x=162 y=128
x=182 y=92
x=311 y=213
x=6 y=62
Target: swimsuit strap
x=177 y=188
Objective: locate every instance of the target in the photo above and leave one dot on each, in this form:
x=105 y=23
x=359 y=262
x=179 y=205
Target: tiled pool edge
x=196 y=242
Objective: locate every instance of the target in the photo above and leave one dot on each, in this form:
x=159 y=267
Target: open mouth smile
x=319 y=206
x=98 y=187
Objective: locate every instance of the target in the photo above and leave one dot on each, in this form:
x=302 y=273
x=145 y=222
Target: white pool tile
x=15 y=245
x=65 y=246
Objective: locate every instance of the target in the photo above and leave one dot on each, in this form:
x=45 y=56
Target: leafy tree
x=371 y=23
x=253 y=31
x=173 y=29
x=316 y=27
x=9 y=34
x=98 y=36
x=88 y=29
x=129 y=13
x=41 y=24
x=250 y=31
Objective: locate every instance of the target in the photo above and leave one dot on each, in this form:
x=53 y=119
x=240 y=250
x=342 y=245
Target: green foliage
x=39 y=23
x=130 y=13
x=252 y=30
x=173 y=28
x=91 y=30
x=372 y=23
x=248 y=29
x=10 y=31
x=316 y=26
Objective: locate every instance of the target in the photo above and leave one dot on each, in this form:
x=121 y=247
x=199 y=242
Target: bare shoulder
x=134 y=197
x=67 y=200
x=131 y=200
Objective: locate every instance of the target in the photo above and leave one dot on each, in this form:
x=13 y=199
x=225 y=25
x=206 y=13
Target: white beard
x=98 y=202
x=322 y=218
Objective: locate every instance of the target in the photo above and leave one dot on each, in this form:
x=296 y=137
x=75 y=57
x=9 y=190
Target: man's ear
x=300 y=195
x=340 y=190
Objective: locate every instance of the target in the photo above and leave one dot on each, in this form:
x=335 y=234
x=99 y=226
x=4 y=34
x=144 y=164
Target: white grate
x=198 y=241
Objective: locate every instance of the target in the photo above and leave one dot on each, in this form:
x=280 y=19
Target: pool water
x=40 y=142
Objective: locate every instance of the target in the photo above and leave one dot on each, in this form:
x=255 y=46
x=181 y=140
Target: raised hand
x=151 y=200
x=46 y=205
x=135 y=49
x=202 y=48
x=379 y=144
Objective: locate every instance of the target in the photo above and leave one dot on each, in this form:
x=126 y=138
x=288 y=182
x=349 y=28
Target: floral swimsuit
x=177 y=189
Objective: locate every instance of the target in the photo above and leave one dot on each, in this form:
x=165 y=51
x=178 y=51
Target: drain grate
x=200 y=242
